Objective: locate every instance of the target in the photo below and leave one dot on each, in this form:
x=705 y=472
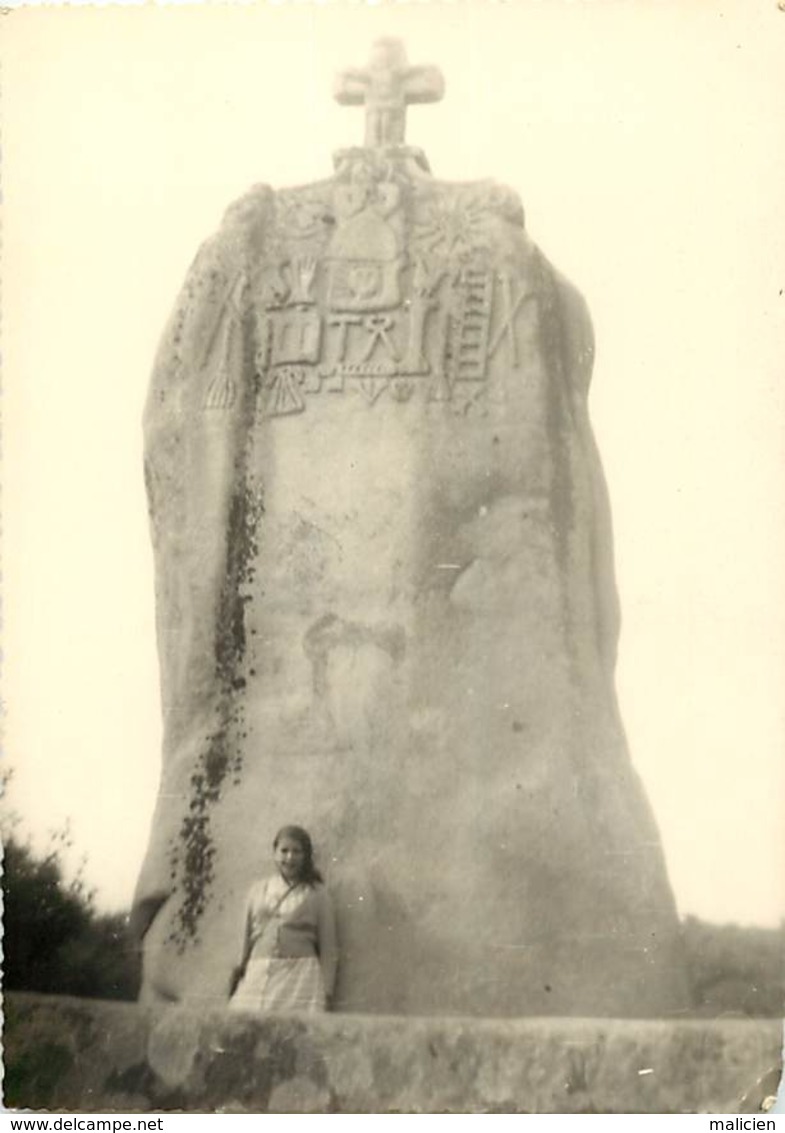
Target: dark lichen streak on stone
x=197 y=856
x=192 y=859
x=246 y=509
x=195 y=851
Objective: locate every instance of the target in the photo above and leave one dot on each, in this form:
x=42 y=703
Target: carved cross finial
x=386 y=87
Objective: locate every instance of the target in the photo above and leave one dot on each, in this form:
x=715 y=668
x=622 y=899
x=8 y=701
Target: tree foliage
x=53 y=939
x=734 y=969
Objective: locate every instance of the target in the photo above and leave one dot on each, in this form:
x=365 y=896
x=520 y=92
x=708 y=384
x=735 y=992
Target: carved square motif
x=364 y=285
x=296 y=337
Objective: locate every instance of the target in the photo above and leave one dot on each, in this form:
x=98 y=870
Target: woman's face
x=289 y=857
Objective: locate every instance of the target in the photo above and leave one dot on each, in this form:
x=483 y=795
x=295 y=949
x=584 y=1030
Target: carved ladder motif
x=472 y=325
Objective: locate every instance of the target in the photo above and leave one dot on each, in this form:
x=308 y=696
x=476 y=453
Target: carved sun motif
x=453 y=228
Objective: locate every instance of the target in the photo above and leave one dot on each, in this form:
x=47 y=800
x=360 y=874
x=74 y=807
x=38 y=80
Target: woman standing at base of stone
x=289 y=956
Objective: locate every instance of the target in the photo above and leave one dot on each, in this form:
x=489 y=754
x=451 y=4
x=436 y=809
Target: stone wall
x=88 y=1055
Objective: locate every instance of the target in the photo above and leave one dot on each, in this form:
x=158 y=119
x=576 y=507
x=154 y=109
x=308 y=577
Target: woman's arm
x=327 y=942
x=243 y=950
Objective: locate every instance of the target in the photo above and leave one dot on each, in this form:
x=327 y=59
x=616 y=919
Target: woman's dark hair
x=310 y=874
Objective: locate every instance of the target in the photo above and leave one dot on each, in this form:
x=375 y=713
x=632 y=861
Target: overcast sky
x=646 y=142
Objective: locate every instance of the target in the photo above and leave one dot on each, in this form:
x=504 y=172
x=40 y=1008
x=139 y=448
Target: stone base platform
x=91 y=1056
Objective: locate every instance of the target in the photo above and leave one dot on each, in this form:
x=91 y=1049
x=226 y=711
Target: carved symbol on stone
x=343 y=322
x=296 y=336
x=424 y=284
x=385 y=87
x=372 y=387
x=376 y=330
x=512 y=304
x=472 y=325
x=454 y=227
x=415 y=361
x=364 y=264
x=364 y=286
x=304 y=217
x=366 y=369
x=439 y=388
x=364 y=191
x=303 y=275
x=222 y=390
x=379 y=327
x=426 y=278
x=363 y=281
x=285 y=396
x=471 y=399
x=274 y=288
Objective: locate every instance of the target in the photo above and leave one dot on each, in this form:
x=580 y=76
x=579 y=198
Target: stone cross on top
x=385 y=87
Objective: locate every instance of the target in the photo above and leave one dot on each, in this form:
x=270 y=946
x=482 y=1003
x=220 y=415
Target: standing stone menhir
x=386 y=604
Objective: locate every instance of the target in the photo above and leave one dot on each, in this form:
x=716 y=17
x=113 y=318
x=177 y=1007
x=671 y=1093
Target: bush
x=53 y=940
x=736 y=970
